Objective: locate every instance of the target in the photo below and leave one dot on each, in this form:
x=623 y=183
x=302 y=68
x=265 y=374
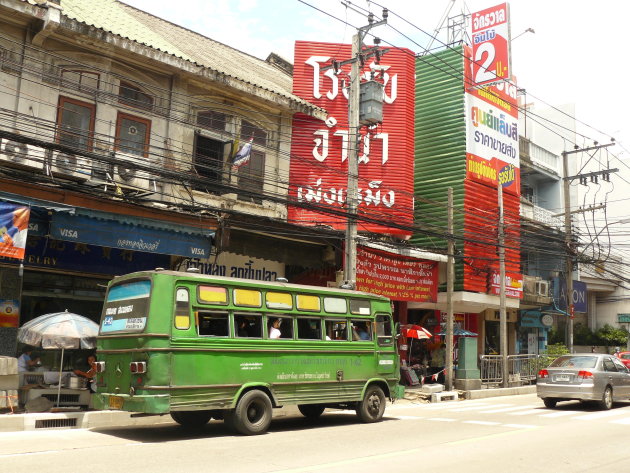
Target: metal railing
x=522 y=369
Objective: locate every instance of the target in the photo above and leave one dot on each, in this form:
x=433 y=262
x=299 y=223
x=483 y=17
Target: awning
x=31 y=202
x=131 y=233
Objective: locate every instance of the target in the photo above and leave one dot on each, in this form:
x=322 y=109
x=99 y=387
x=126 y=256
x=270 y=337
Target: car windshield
x=625 y=356
x=570 y=361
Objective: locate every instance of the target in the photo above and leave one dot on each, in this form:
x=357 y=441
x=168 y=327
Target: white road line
x=442 y=419
x=454 y=405
x=473 y=408
x=601 y=415
x=625 y=421
x=406 y=417
x=520 y=426
x=481 y=422
x=506 y=409
x=526 y=413
x=560 y=414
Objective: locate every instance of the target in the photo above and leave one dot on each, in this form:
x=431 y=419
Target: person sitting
x=274 y=330
x=364 y=332
x=25 y=362
x=90 y=373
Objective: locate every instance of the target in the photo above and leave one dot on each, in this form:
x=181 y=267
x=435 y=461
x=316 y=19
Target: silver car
x=584 y=377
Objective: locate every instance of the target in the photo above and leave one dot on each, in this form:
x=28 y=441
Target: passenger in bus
x=274 y=330
x=242 y=328
x=364 y=331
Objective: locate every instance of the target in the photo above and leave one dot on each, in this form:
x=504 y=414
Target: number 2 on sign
x=483 y=74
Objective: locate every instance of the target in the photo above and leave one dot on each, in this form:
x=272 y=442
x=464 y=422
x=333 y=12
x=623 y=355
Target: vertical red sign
x=491 y=45
x=319 y=158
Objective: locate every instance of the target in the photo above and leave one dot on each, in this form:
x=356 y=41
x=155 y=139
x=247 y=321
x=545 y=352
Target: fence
x=522 y=369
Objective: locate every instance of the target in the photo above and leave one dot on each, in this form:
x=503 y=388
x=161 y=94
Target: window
x=248 y=326
x=212 y=295
x=75 y=123
x=182 y=309
x=212 y=120
x=384 y=330
x=279 y=300
x=609 y=365
x=359 y=307
x=336 y=330
x=251 y=174
x=335 y=305
x=132 y=135
x=131 y=95
x=209 y=157
x=213 y=324
x=247 y=297
x=309 y=329
x=308 y=303
x=279 y=326
x=361 y=330
x=83 y=81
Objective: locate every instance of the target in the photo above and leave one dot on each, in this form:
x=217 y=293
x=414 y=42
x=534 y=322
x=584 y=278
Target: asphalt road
x=507 y=434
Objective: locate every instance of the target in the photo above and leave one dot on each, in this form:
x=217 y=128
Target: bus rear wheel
x=191 y=419
x=311 y=411
x=252 y=415
x=372 y=407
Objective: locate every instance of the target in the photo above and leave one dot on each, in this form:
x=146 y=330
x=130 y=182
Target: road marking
x=442 y=419
x=481 y=422
x=600 y=415
x=560 y=414
x=473 y=408
x=624 y=421
x=507 y=409
x=521 y=426
x=525 y=413
x=453 y=405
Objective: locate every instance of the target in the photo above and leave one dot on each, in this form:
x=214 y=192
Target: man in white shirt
x=25 y=363
x=274 y=331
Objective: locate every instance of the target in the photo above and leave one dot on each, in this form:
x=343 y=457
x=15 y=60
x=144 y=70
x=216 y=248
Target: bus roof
x=231 y=280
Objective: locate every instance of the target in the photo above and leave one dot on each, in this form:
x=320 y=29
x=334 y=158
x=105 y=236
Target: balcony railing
x=539 y=155
x=541 y=215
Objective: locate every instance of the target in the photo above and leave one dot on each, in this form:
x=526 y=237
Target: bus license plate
x=115 y=402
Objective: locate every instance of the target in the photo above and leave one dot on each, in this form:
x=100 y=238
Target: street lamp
x=528 y=30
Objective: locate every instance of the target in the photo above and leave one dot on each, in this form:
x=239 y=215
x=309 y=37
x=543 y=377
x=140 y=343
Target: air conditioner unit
x=22 y=156
x=129 y=176
x=542 y=288
x=70 y=166
x=100 y=173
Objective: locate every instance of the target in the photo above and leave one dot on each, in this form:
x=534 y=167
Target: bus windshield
x=126 y=307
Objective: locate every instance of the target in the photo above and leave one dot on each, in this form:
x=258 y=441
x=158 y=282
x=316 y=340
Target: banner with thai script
x=491 y=45
x=513 y=285
x=13 y=230
x=319 y=149
x=400 y=278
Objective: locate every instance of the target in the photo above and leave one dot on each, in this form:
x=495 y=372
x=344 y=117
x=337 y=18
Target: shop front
x=533 y=330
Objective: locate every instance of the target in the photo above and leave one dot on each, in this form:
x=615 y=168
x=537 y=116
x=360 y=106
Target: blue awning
x=131 y=233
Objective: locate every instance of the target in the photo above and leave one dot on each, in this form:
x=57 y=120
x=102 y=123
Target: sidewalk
x=101 y=419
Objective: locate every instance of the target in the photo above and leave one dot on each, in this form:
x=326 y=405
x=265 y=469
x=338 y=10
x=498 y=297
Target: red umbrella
x=416 y=331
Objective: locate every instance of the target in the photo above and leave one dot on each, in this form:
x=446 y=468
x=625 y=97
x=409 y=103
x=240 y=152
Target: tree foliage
x=609 y=336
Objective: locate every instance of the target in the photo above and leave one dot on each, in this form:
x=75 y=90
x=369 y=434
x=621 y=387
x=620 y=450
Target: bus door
x=385 y=349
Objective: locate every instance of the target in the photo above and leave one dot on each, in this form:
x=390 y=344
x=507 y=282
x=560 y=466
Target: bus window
x=336 y=330
x=182 y=309
x=384 y=330
x=279 y=327
x=247 y=297
x=308 y=303
x=309 y=329
x=212 y=295
x=359 y=307
x=126 y=307
x=361 y=330
x=249 y=326
x=279 y=300
x=335 y=305
x=213 y=324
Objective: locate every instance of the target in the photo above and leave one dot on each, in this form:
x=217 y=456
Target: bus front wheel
x=372 y=407
x=191 y=419
x=252 y=415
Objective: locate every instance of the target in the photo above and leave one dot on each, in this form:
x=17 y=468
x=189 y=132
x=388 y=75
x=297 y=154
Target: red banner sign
x=513 y=285
x=400 y=278
x=13 y=230
x=319 y=149
x=490 y=40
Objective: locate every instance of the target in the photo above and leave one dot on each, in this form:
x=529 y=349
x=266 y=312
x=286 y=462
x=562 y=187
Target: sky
x=576 y=55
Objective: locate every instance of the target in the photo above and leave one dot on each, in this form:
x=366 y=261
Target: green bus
x=199 y=347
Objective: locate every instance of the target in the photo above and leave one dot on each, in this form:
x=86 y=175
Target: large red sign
x=13 y=229
x=490 y=40
x=400 y=278
x=319 y=158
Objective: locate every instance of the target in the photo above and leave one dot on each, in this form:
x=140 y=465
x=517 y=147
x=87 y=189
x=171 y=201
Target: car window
x=620 y=366
x=625 y=356
x=574 y=361
x=609 y=365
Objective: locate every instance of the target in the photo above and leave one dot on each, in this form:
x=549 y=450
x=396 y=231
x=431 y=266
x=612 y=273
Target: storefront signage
x=623 y=318
x=239 y=266
x=319 y=149
x=513 y=285
x=579 y=294
x=13 y=230
x=491 y=45
x=400 y=278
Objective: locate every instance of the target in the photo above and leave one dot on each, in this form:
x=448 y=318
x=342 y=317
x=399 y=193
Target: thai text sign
x=490 y=43
x=319 y=149
x=513 y=285
x=13 y=229
x=400 y=278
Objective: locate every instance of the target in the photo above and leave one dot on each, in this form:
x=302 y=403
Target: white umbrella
x=59 y=330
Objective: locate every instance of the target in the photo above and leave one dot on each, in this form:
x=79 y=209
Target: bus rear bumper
x=148 y=404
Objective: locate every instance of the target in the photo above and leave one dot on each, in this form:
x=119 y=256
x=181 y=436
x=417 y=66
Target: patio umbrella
x=59 y=330
x=460 y=332
x=414 y=331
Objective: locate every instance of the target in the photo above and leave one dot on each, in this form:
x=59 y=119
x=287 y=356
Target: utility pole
x=450 y=282
x=358 y=58
x=568 y=238
x=503 y=340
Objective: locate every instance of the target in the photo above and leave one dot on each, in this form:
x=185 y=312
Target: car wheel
x=372 y=407
x=550 y=402
x=311 y=411
x=252 y=415
x=191 y=419
x=607 y=398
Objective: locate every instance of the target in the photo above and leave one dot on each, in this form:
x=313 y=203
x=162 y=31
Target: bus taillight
x=100 y=366
x=138 y=367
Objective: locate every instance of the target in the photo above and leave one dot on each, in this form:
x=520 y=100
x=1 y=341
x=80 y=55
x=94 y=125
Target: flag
x=243 y=155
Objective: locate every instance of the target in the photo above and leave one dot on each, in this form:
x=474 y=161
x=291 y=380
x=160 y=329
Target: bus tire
x=311 y=411
x=253 y=413
x=191 y=419
x=372 y=407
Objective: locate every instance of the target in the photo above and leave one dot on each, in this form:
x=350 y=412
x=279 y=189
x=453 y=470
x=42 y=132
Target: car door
x=615 y=378
x=624 y=379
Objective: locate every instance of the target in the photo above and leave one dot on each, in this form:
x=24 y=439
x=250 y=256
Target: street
x=510 y=434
